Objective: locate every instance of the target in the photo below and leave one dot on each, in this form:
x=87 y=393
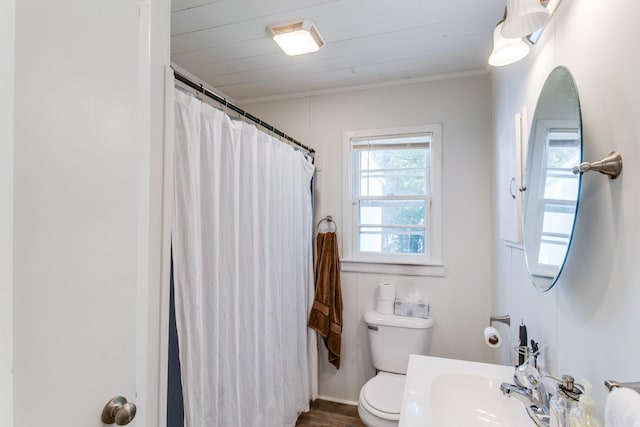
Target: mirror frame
x=552 y=100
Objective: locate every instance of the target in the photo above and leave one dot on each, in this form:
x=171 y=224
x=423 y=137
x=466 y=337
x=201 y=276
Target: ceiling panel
x=226 y=42
x=223 y=13
x=370 y=75
x=180 y=5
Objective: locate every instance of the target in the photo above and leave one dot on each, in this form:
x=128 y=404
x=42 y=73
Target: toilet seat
x=382 y=395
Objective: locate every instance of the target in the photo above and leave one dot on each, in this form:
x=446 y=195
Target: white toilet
x=391 y=340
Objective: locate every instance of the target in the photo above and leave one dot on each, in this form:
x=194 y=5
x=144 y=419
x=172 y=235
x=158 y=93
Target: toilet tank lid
x=372 y=317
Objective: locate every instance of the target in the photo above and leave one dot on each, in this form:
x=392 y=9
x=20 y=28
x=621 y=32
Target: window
x=392 y=197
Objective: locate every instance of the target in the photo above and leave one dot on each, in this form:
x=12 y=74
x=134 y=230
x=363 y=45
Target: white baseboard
x=333 y=399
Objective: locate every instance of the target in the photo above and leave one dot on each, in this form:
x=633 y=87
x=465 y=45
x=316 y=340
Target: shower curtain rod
x=200 y=88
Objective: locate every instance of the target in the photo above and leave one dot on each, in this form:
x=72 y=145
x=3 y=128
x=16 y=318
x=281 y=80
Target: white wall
x=7 y=64
x=460 y=301
x=589 y=319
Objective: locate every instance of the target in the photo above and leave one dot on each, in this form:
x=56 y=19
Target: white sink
x=456 y=393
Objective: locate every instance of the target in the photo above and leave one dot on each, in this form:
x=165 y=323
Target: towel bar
x=610 y=385
x=330 y=222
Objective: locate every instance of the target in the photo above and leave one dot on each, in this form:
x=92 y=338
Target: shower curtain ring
x=225 y=107
x=200 y=94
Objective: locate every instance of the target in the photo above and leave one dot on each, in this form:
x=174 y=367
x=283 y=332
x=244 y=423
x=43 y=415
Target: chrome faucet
x=529 y=388
x=536 y=401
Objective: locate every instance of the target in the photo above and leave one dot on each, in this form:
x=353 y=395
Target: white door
x=87 y=209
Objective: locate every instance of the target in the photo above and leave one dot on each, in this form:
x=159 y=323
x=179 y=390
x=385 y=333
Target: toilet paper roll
x=384 y=306
x=386 y=291
x=492 y=337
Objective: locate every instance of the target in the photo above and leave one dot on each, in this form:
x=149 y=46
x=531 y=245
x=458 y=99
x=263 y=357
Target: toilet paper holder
x=506 y=319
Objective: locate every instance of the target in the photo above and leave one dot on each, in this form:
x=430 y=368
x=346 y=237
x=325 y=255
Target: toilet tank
x=393 y=338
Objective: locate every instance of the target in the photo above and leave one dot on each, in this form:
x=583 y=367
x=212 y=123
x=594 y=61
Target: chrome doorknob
x=118 y=411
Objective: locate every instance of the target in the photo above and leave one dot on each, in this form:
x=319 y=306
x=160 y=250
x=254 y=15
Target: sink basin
x=454 y=393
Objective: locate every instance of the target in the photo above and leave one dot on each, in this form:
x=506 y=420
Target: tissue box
x=411 y=309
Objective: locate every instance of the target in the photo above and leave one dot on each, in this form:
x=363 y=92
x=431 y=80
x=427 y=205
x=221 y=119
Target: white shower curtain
x=242 y=242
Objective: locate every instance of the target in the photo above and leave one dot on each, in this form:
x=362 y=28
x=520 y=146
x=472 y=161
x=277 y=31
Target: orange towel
x=326 y=313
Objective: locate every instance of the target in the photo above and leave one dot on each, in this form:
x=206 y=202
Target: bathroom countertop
x=448 y=392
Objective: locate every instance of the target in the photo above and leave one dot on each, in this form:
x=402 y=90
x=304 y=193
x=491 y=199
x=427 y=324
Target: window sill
x=514 y=245
x=356 y=266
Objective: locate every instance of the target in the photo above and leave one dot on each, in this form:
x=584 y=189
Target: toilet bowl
x=391 y=340
x=380 y=400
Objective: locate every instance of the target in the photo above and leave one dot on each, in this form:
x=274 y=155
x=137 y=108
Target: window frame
x=429 y=264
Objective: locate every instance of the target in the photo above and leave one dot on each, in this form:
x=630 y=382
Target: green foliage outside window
x=398 y=172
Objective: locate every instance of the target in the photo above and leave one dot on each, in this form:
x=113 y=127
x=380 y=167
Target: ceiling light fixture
x=551 y=6
x=298 y=37
x=524 y=17
x=505 y=50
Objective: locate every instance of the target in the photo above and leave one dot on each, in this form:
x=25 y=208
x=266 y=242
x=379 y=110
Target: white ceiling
x=225 y=42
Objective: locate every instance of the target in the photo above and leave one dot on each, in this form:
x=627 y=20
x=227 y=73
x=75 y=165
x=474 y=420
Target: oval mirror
x=551 y=190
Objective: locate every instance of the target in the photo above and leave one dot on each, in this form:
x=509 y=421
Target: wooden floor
x=330 y=414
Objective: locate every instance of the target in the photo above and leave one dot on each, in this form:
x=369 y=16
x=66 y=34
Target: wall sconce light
x=524 y=17
x=297 y=37
x=551 y=6
x=507 y=50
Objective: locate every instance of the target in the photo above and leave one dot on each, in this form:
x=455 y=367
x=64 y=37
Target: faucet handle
x=527 y=375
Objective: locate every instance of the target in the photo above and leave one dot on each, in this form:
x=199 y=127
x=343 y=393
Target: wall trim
x=356 y=266
x=336 y=400
x=354 y=88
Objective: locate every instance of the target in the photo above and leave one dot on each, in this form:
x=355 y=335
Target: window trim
x=394 y=263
